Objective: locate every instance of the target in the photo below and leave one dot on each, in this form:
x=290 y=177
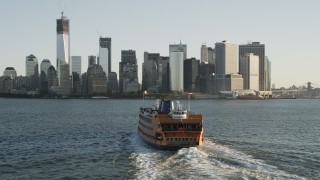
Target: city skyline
x=286 y=28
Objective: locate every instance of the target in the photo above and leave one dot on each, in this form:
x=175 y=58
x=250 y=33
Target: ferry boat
x=167 y=127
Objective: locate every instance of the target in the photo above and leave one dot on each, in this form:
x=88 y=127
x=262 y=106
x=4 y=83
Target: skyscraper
x=259 y=50
x=65 y=81
x=63 y=43
x=227 y=58
x=32 y=71
x=204 y=54
x=249 y=69
x=105 y=54
x=52 y=78
x=176 y=70
x=63 y=57
x=152 y=72
x=191 y=71
x=76 y=64
x=268 y=73
x=112 y=82
x=45 y=64
x=92 y=60
x=165 y=74
x=211 y=56
x=31 y=65
x=179 y=47
x=128 y=72
x=10 y=72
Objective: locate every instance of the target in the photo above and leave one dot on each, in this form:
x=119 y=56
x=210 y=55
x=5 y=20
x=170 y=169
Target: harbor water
x=98 y=139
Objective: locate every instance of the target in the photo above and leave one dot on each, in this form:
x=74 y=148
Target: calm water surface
x=90 y=139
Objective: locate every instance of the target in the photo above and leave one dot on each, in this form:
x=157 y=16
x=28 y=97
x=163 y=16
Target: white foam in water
x=245 y=165
x=213 y=161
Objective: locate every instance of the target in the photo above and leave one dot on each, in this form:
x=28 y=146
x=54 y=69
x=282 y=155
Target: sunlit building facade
x=249 y=69
x=227 y=67
x=179 y=47
x=257 y=49
x=204 y=54
x=176 y=71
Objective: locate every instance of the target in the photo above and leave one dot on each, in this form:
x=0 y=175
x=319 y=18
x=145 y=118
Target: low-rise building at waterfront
x=229 y=82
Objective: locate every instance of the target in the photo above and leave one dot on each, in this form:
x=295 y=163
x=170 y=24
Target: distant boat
x=251 y=97
x=228 y=95
x=99 y=97
x=167 y=127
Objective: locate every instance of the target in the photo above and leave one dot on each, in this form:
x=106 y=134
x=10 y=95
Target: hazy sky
x=290 y=29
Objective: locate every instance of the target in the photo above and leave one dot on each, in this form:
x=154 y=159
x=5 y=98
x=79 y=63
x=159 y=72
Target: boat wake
x=212 y=161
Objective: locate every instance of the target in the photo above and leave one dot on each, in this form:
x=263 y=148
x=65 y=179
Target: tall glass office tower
x=105 y=54
x=63 y=43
